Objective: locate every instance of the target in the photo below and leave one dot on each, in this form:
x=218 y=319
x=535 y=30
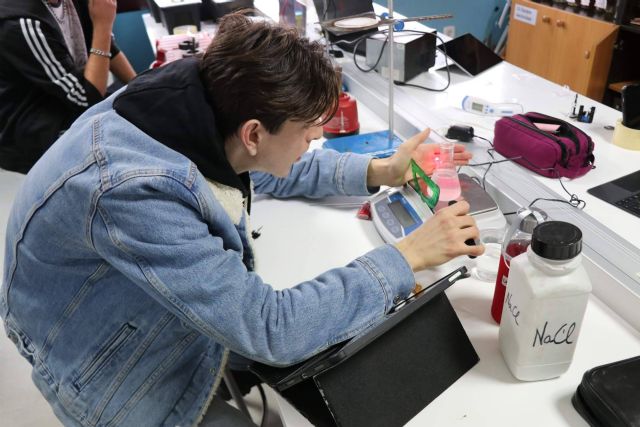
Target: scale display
x=397 y=212
x=401 y=214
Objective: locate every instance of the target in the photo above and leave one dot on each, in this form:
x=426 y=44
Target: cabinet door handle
x=587 y=54
x=560 y=23
x=546 y=19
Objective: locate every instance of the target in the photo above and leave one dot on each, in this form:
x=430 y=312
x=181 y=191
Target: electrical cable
x=484 y=177
x=573 y=201
x=357 y=42
x=484 y=139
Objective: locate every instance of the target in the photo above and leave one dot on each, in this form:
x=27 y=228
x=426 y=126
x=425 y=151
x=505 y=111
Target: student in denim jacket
x=128 y=277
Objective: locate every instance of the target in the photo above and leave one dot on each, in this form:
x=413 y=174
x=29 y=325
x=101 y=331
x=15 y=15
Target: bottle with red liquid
x=516 y=241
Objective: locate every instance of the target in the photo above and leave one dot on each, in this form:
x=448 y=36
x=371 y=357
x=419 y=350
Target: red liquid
x=513 y=249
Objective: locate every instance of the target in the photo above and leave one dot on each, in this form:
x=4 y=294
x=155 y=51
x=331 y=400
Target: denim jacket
x=128 y=276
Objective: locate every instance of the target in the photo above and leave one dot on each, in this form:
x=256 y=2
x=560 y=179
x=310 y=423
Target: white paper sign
x=525 y=14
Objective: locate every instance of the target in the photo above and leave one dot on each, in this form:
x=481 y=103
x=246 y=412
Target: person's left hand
x=395 y=171
x=426 y=155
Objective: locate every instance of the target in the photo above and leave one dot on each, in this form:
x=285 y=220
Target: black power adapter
x=460 y=132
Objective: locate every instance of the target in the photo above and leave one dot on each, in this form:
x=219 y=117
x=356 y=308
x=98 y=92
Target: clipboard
x=416 y=352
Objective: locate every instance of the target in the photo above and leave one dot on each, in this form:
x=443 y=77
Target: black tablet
x=470 y=54
x=283 y=378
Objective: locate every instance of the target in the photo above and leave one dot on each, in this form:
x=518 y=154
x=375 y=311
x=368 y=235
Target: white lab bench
x=301 y=239
x=319 y=237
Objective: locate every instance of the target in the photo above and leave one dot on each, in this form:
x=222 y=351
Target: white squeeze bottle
x=545 y=302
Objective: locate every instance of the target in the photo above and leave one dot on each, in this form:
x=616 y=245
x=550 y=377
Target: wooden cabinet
x=561 y=46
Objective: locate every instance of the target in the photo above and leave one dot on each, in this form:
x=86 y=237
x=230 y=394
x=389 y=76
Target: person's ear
x=251 y=134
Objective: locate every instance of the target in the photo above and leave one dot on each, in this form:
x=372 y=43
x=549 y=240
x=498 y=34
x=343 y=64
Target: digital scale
x=398 y=211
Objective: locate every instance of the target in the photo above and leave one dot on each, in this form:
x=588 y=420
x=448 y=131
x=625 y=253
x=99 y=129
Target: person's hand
x=395 y=171
x=425 y=156
x=441 y=238
x=392 y=171
x=102 y=13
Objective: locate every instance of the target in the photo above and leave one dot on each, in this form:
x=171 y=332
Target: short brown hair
x=259 y=70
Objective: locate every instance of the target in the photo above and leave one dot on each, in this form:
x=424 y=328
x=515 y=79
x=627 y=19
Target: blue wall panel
x=132 y=39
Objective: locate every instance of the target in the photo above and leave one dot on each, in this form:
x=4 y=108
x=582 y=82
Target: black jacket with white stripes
x=41 y=90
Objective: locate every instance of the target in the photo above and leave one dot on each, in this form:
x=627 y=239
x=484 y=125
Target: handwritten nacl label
x=513 y=308
x=525 y=14
x=562 y=335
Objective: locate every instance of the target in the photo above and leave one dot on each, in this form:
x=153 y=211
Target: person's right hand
x=441 y=238
x=102 y=13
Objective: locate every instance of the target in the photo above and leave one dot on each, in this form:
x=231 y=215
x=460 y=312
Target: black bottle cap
x=557 y=240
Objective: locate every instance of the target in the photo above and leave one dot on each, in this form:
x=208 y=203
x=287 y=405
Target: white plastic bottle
x=546 y=299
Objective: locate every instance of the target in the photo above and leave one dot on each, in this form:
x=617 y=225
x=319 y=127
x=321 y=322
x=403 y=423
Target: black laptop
x=623 y=193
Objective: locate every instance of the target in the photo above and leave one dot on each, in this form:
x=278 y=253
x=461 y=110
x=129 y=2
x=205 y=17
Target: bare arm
x=96 y=71
x=121 y=68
